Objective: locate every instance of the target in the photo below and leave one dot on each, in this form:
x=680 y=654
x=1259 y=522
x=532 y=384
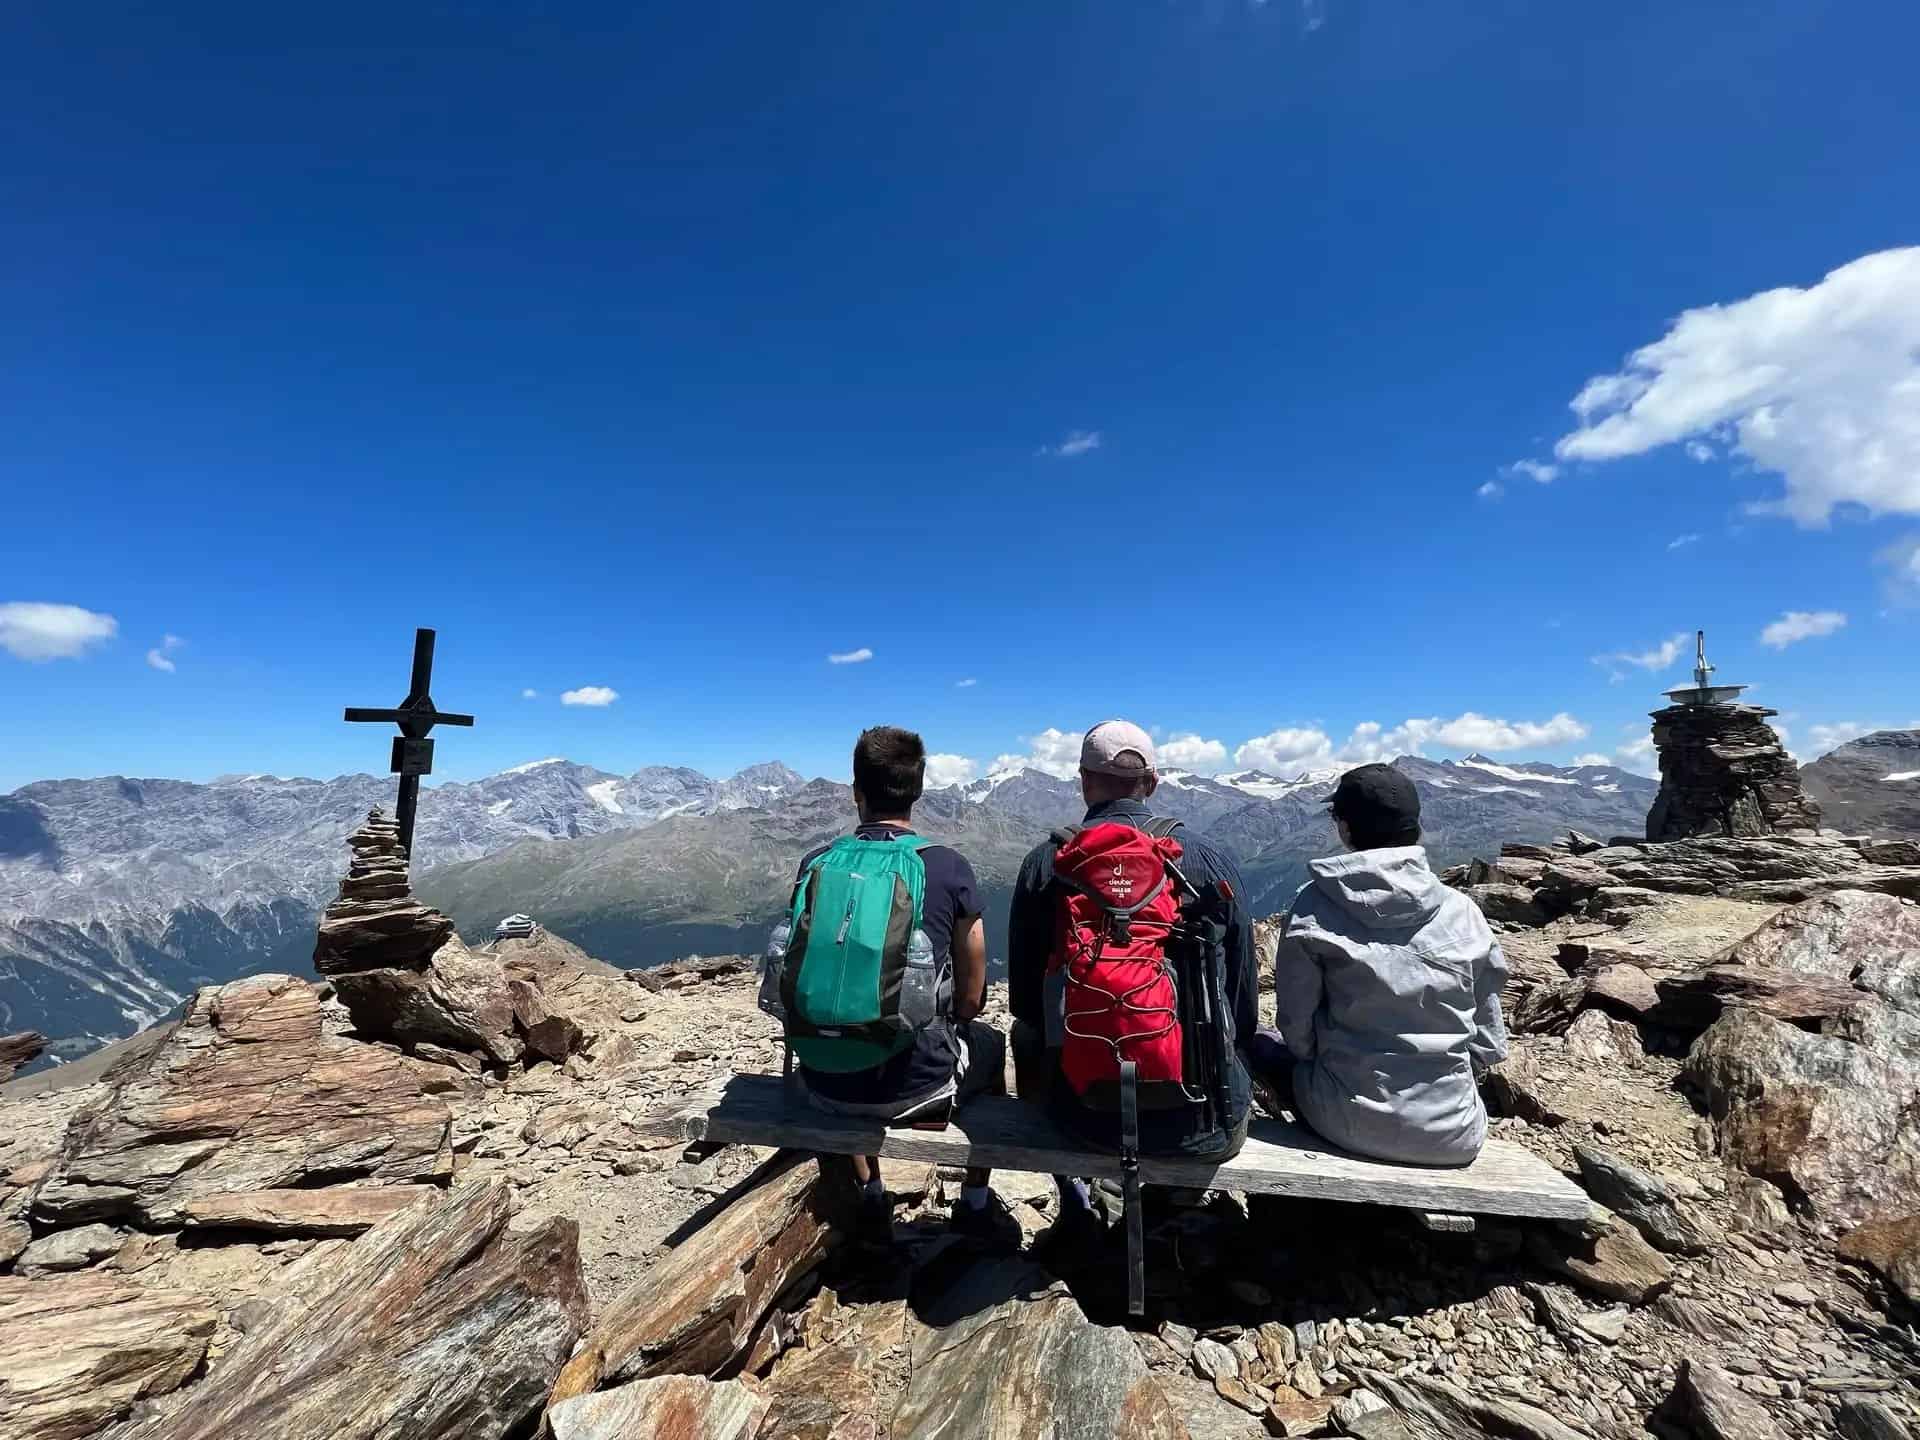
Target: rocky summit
x=299 y=1213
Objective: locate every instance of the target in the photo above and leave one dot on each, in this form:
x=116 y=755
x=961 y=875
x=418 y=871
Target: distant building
x=515 y=927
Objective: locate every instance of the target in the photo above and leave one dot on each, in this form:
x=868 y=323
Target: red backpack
x=1136 y=991
x=1118 y=999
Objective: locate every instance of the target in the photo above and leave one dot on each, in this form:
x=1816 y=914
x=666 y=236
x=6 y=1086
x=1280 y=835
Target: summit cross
x=412 y=750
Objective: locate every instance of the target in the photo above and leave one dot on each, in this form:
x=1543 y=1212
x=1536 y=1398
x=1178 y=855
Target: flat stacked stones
x=1723 y=771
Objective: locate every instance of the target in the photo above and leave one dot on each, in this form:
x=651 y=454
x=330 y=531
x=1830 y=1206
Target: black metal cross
x=412 y=750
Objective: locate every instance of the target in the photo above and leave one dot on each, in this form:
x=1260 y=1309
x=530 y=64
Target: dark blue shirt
x=1030 y=928
x=951 y=895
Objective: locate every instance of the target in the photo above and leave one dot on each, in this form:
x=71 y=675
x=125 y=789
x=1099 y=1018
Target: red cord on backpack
x=1118 y=908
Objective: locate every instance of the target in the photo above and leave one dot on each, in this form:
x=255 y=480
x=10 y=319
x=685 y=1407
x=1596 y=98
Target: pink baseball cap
x=1116 y=747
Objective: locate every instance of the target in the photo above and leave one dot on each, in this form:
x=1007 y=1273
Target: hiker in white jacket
x=1387 y=990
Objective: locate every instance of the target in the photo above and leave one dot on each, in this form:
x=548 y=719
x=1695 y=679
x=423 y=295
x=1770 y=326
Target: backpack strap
x=1130 y=1188
x=1161 y=826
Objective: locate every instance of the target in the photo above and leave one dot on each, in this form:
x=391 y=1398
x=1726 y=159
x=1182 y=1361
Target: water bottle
x=919 y=987
x=773 y=966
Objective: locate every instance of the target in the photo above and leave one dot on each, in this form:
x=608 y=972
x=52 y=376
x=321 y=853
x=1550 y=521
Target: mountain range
x=119 y=896
x=1871 y=786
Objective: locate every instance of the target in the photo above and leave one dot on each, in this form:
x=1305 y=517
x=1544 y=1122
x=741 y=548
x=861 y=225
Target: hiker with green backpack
x=878 y=972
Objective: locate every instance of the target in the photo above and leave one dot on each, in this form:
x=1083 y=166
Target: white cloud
x=966 y=684
x=40 y=630
x=1798 y=625
x=1901 y=560
x=1481 y=732
x=1492 y=490
x=1822 y=738
x=1680 y=542
x=944 y=771
x=594 y=695
x=1659 y=658
x=851 y=657
x=1286 y=752
x=1290 y=751
x=1056 y=752
x=1532 y=470
x=529 y=694
x=1078 y=442
x=1699 y=451
x=1819 y=385
x=1639 y=756
x=1190 y=752
x=160 y=657
x=1593 y=758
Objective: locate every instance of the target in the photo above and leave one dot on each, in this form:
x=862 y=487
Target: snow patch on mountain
x=1270 y=787
x=1507 y=772
x=606 y=797
x=532 y=765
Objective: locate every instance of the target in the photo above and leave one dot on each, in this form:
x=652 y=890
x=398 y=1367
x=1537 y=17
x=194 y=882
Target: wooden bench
x=1002 y=1132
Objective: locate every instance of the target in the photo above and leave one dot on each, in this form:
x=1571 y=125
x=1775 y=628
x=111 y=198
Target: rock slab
x=247 y=1093
x=1009 y=1348
x=441 y=1323
x=696 y=1308
x=670 y=1407
x=76 y=1351
x=17 y=1049
x=1707 y=1400
x=1643 y=1201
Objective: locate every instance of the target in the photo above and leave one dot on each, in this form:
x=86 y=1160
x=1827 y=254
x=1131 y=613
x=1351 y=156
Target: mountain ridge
x=120 y=895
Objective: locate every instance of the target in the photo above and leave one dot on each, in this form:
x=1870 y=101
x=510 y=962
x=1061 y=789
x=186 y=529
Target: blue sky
x=1141 y=357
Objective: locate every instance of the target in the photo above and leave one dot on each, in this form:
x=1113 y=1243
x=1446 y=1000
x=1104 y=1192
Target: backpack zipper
x=846 y=920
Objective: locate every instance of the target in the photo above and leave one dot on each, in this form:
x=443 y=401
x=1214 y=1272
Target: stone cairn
x=376 y=923
x=404 y=976
x=1723 y=771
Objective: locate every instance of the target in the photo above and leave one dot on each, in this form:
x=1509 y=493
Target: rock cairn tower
x=376 y=922
x=404 y=976
x=1723 y=770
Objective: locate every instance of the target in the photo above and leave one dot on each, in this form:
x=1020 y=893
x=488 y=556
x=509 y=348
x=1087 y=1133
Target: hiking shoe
x=873 y=1226
x=991 y=1224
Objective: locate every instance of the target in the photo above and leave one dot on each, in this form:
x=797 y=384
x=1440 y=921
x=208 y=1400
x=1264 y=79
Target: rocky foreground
x=408 y=1201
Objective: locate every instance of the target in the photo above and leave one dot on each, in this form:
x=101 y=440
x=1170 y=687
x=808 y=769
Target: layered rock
x=1829 y=1117
x=1608 y=883
x=441 y=1323
x=17 y=1050
x=1724 y=772
x=247 y=1093
x=669 y=1405
x=404 y=977
x=76 y=1351
x=1008 y=1347
x=697 y=1308
x=375 y=922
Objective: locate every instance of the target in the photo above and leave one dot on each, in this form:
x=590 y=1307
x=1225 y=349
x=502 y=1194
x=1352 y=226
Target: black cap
x=1376 y=800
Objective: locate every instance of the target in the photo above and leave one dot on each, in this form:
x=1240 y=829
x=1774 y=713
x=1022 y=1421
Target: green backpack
x=854 y=912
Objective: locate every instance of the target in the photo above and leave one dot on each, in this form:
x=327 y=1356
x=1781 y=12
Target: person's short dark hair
x=889 y=769
x=1380 y=806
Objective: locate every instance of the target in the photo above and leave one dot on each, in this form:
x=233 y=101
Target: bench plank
x=1001 y=1132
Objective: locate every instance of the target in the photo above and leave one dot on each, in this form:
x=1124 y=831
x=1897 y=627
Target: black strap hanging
x=1130 y=1188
